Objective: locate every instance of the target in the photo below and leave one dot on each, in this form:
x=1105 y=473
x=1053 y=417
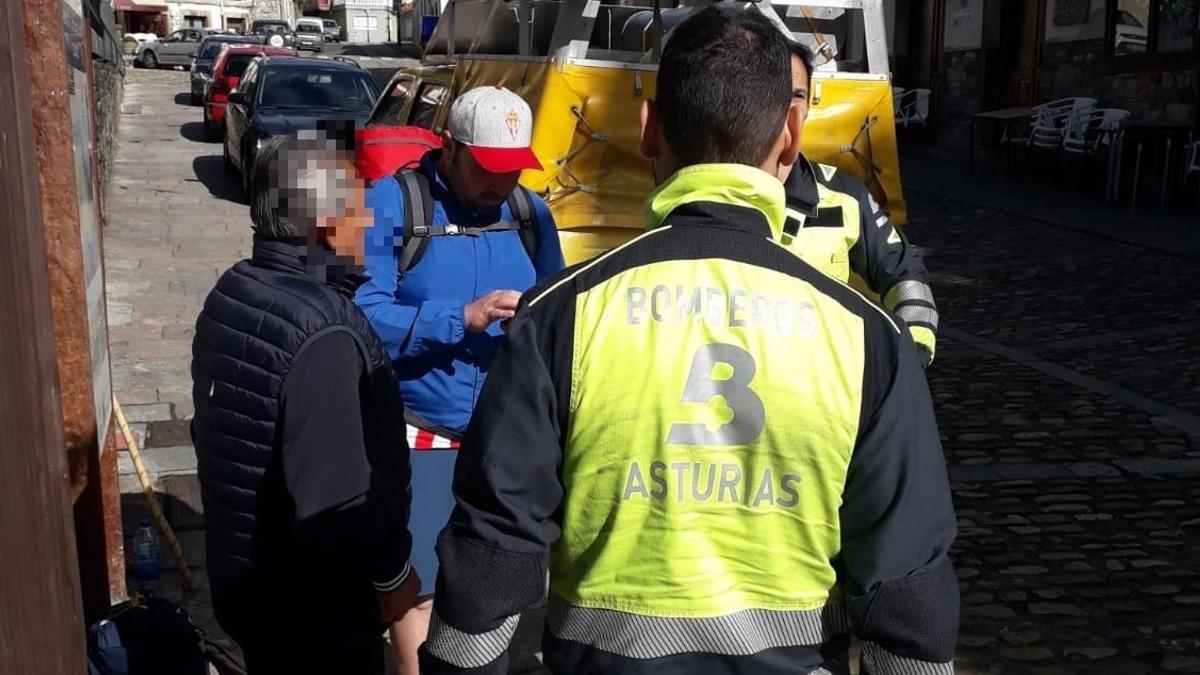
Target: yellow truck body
x=586 y=119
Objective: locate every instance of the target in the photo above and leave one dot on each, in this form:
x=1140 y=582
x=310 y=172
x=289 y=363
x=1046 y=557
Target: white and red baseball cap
x=496 y=125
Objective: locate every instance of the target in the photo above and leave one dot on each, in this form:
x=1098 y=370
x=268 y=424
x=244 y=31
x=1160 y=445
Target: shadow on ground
x=382 y=50
x=184 y=98
x=194 y=132
x=210 y=170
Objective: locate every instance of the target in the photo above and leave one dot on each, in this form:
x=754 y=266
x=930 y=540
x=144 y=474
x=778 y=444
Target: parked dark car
x=274 y=33
x=227 y=71
x=333 y=31
x=204 y=57
x=284 y=95
x=310 y=36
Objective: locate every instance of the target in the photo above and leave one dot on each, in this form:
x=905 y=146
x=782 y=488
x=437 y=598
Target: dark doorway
x=1018 y=52
x=924 y=47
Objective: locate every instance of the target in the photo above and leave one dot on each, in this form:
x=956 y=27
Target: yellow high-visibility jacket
x=724 y=460
x=835 y=225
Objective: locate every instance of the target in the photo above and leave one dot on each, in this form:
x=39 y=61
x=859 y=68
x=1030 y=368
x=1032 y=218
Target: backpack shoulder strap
x=520 y=205
x=418 y=214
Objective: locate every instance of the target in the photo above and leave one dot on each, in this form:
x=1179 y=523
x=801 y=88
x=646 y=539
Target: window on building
x=366 y=23
x=1154 y=26
x=192 y=21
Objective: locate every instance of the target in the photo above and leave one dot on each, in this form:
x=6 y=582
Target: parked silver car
x=175 y=50
x=310 y=36
x=333 y=32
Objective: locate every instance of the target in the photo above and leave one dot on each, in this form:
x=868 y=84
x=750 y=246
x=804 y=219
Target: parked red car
x=227 y=71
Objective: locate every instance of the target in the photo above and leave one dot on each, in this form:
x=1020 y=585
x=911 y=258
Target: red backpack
x=383 y=151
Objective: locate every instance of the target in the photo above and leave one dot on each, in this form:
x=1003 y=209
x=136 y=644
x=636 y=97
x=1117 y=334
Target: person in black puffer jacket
x=299 y=430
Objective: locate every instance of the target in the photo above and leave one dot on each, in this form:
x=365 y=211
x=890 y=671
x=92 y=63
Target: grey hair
x=297 y=181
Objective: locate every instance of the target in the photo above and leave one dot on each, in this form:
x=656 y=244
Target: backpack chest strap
x=419 y=227
x=450 y=229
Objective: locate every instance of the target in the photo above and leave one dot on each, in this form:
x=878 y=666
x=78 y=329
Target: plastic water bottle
x=145 y=561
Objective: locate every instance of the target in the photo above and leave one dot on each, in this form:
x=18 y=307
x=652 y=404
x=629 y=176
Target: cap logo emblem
x=512 y=120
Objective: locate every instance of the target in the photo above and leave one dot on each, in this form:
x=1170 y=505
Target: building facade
x=274 y=9
x=233 y=15
x=141 y=16
x=365 y=20
x=162 y=17
x=977 y=55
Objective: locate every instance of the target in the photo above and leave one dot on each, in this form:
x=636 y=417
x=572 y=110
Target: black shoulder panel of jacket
x=898 y=523
x=882 y=255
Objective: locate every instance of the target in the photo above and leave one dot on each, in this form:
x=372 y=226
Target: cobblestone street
x=1067 y=384
x=1068 y=393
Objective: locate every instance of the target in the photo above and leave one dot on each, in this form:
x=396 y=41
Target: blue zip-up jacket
x=440 y=364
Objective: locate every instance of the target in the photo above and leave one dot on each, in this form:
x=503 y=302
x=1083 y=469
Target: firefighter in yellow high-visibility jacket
x=835 y=225
x=724 y=460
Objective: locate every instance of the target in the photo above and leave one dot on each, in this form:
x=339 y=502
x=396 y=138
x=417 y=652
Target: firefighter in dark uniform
x=722 y=460
x=835 y=225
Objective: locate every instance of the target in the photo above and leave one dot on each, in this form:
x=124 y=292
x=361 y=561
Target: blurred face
x=343 y=230
x=478 y=189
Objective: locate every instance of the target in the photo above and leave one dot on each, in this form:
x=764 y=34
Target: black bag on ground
x=152 y=636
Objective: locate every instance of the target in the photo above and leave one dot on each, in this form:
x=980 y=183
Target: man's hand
x=408 y=634
x=493 y=307
x=395 y=603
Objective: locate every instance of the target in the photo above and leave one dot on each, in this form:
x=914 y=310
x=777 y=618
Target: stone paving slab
x=1092 y=576
x=1076 y=490
x=1018 y=281
x=1166 y=368
x=166 y=238
x=150 y=412
x=161 y=461
x=994 y=412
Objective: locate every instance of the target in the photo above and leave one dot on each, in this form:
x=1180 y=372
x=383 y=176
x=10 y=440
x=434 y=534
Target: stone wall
x=960 y=94
x=109 y=91
x=1079 y=68
x=1148 y=92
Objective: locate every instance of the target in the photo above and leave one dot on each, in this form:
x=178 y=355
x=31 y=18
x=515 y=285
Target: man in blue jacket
x=453 y=246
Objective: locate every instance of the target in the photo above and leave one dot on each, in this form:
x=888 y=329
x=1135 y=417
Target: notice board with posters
x=75 y=32
x=963 y=30
x=1073 y=20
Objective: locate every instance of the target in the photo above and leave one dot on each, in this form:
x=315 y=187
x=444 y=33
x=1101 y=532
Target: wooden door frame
x=997 y=81
x=1039 y=39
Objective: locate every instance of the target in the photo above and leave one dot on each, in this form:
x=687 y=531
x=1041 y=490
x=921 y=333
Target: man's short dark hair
x=294 y=182
x=724 y=87
x=805 y=55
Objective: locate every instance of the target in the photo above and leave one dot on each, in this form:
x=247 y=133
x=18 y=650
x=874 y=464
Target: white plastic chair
x=1046 y=119
x=912 y=107
x=897 y=94
x=1192 y=165
x=1085 y=132
x=1052 y=110
x=1049 y=123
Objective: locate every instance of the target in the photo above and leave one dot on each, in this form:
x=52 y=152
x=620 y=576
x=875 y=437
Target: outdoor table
x=1005 y=117
x=1161 y=134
